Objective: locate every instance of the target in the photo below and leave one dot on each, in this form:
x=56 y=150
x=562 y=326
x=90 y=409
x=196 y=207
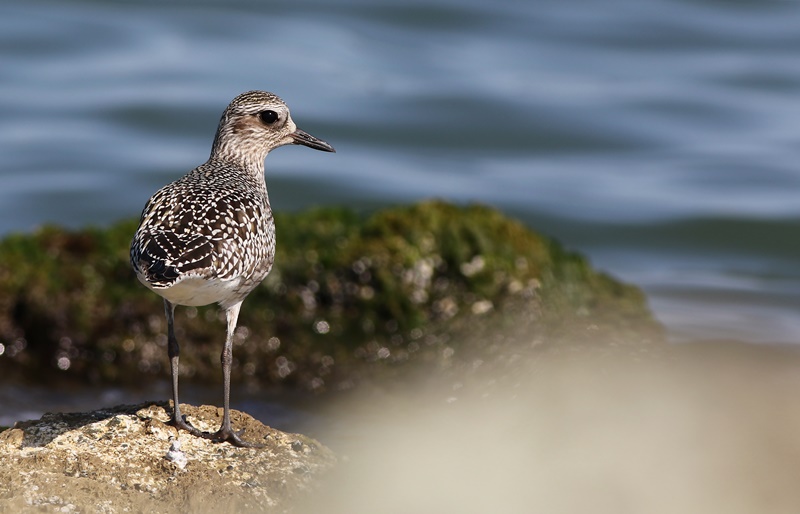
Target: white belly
x=195 y=291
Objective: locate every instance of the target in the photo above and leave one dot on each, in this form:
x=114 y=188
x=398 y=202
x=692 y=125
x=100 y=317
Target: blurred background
x=660 y=138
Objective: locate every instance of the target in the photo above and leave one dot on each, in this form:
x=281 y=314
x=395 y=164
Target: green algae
x=348 y=294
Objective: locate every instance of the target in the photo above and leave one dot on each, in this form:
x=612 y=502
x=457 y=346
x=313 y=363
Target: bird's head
x=255 y=123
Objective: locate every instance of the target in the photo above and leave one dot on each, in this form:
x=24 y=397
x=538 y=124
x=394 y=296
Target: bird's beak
x=304 y=138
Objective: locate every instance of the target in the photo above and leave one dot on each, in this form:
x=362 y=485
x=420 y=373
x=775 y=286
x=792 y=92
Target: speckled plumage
x=209 y=237
x=213 y=228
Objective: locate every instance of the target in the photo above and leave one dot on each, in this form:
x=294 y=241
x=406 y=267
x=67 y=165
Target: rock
x=127 y=459
x=350 y=297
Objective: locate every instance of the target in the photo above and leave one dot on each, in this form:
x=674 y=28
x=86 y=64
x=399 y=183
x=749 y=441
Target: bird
x=209 y=237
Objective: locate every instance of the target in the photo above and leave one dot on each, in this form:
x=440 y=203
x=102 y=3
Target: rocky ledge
x=127 y=459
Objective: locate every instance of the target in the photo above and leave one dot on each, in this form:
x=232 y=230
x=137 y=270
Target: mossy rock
x=348 y=293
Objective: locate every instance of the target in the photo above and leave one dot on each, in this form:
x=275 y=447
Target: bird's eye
x=268 y=117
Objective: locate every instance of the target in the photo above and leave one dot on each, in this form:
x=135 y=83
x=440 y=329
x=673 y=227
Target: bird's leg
x=173 y=350
x=225 y=432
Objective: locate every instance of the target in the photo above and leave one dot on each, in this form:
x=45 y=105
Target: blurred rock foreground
x=350 y=297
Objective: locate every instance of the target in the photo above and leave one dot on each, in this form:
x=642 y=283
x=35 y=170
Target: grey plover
x=209 y=237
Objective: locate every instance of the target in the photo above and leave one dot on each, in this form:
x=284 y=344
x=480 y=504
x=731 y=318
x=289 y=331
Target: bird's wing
x=166 y=256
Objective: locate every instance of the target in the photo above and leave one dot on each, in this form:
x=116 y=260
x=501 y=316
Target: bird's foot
x=226 y=434
x=181 y=424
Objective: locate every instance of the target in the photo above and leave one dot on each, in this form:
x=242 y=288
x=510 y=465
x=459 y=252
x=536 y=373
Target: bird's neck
x=244 y=154
x=253 y=170
x=252 y=162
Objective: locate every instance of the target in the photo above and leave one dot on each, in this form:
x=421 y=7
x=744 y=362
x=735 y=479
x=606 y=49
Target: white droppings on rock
x=176 y=456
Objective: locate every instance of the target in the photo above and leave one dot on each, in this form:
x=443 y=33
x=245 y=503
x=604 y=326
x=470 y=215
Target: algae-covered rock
x=348 y=294
x=126 y=459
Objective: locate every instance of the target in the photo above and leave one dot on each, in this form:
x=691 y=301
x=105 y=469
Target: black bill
x=306 y=139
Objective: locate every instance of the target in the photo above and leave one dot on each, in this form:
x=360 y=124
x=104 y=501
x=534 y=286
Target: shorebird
x=209 y=237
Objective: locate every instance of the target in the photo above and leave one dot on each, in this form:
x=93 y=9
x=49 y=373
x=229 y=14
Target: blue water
x=660 y=138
